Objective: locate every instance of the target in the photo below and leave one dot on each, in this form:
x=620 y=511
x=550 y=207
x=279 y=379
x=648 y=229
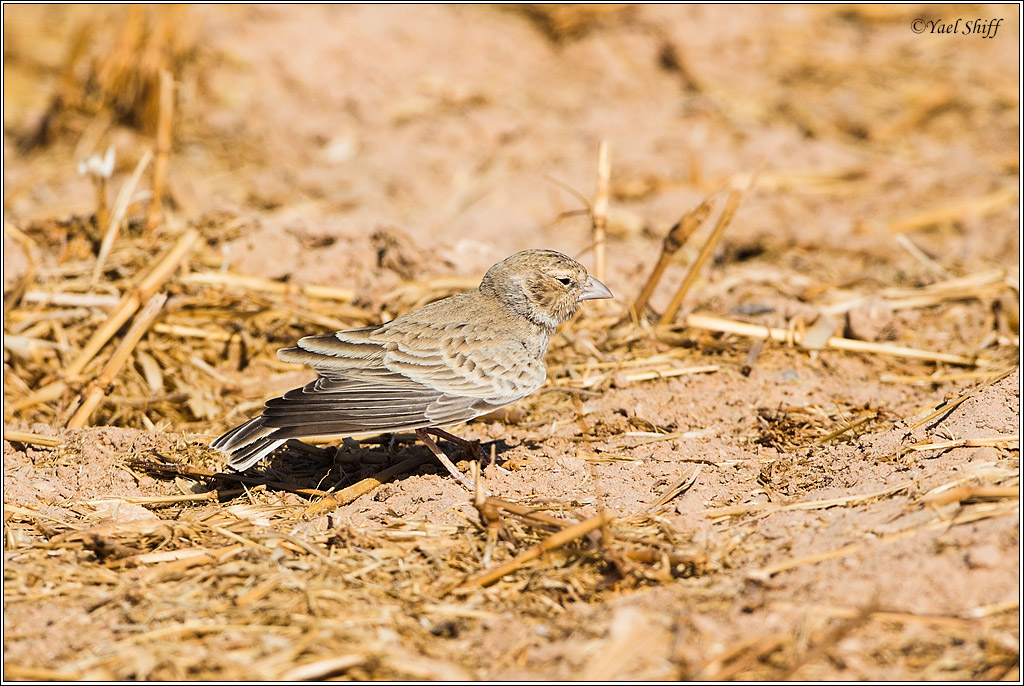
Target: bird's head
x=544 y=286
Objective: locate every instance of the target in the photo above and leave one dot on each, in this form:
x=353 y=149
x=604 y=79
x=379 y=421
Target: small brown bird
x=445 y=363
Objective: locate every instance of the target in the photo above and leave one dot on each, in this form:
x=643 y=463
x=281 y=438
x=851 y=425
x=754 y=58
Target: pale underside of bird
x=442 y=364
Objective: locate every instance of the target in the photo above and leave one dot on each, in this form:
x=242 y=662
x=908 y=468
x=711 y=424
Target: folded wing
x=401 y=378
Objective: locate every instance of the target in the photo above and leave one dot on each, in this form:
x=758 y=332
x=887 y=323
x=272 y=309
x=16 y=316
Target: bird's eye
x=564 y=280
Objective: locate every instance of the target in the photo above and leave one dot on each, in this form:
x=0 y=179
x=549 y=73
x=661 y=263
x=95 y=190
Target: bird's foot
x=472 y=447
x=424 y=435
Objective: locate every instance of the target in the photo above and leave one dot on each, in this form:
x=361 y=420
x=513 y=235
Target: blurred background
x=462 y=127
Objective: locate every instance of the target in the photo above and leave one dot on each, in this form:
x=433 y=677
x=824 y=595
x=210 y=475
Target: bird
x=441 y=364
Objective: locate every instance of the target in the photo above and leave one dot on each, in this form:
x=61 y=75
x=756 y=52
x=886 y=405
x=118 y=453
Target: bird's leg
x=467 y=445
x=424 y=436
x=470 y=446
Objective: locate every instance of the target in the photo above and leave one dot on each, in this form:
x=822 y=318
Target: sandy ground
x=371 y=147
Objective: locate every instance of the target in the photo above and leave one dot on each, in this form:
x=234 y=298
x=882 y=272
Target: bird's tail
x=247 y=444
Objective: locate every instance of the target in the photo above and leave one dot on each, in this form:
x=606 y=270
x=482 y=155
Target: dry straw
x=127 y=307
x=163 y=148
x=97 y=388
x=599 y=214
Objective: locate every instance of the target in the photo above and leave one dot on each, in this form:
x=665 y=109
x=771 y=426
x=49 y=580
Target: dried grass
x=121 y=80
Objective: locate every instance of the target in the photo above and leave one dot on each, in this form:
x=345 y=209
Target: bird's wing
x=402 y=378
x=458 y=358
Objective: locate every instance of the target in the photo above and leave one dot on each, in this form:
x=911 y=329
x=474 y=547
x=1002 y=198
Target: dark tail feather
x=247 y=444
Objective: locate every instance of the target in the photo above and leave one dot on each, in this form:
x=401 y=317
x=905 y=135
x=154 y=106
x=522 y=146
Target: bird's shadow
x=319 y=471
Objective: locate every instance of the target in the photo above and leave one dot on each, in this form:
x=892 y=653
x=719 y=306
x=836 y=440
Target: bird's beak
x=595 y=290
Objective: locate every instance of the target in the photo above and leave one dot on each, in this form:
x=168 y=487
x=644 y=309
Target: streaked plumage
x=444 y=363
